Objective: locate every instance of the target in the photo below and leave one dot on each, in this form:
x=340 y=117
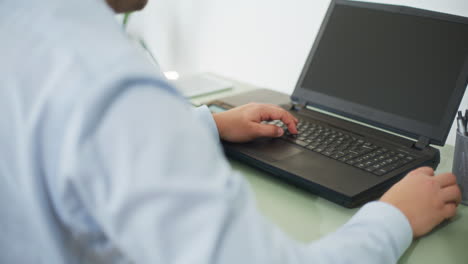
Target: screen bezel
x=404 y=126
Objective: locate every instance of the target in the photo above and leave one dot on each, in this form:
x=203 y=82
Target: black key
x=400 y=163
x=341 y=153
x=337 y=155
x=331 y=148
x=365 y=157
x=300 y=142
x=342 y=148
x=344 y=158
x=363 y=151
x=315 y=143
x=312 y=146
x=319 y=149
x=404 y=161
x=368 y=147
x=380 y=172
x=360 y=165
x=391 y=167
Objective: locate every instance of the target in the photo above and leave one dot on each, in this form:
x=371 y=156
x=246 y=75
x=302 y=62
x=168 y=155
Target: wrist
x=388 y=220
x=401 y=210
x=217 y=117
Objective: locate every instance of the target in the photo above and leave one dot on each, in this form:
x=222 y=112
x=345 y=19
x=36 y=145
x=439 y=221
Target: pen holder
x=460 y=165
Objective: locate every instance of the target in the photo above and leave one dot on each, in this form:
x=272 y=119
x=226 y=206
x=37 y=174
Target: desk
x=307 y=217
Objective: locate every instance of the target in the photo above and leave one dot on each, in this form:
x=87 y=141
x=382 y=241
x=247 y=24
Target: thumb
x=424 y=170
x=267 y=130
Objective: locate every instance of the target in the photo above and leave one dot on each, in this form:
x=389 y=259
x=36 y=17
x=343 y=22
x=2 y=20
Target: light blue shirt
x=103 y=162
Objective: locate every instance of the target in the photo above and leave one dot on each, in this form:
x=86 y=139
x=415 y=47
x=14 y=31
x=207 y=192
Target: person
x=104 y=162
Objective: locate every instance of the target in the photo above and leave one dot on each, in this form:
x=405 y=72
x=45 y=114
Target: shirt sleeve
x=159 y=188
x=377 y=233
x=204 y=115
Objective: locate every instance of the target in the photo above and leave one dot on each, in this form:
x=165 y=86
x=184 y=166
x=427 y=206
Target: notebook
x=200 y=84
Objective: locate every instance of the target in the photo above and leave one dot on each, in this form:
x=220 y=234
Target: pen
x=463 y=118
x=461 y=123
x=466 y=128
x=466 y=122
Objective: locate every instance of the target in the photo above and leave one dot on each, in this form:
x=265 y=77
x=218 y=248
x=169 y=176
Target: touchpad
x=272 y=149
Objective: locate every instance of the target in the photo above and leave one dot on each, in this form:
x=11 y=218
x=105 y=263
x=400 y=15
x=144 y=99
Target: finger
x=450 y=210
x=451 y=194
x=279 y=107
x=265 y=130
x=424 y=170
x=446 y=179
x=273 y=113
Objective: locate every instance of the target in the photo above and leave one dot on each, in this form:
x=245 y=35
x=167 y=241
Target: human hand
x=243 y=123
x=426 y=200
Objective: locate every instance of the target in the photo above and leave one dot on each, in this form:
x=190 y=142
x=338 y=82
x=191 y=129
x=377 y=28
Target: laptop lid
x=398 y=68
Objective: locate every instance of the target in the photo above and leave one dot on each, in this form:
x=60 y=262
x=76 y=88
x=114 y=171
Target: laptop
x=381 y=84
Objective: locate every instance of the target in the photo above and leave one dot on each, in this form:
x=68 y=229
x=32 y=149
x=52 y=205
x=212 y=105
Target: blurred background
x=261 y=42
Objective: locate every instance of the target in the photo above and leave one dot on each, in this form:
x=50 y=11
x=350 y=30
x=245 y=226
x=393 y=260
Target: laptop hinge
x=298 y=105
x=422 y=143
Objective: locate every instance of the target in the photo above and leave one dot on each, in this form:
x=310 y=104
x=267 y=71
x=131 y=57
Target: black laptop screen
x=400 y=64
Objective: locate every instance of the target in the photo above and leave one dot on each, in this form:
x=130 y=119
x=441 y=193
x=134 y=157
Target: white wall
x=263 y=42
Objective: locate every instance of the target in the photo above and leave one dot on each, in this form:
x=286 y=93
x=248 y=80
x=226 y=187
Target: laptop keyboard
x=345 y=147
